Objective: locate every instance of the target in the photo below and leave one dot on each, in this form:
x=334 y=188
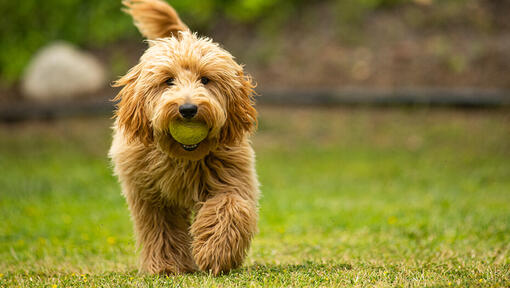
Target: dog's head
x=182 y=76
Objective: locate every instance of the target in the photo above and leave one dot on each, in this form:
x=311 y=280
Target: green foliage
x=28 y=25
x=351 y=198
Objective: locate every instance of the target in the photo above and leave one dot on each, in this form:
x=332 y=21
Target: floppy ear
x=154 y=18
x=241 y=113
x=130 y=113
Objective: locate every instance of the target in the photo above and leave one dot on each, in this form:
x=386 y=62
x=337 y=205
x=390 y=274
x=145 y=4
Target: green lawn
x=351 y=197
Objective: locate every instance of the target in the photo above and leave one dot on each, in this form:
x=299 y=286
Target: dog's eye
x=204 y=80
x=170 y=81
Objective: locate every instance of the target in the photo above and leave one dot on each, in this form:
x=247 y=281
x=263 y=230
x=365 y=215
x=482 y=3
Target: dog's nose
x=188 y=110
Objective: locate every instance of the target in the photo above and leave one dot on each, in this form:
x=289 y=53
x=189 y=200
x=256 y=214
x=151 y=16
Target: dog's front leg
x=162 y=233
x=222 y=231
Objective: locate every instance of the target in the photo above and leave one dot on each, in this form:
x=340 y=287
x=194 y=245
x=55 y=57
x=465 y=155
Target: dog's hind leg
x=222 y=231
x=162 y=233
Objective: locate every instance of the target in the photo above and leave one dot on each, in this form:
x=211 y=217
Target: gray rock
x=61 y=71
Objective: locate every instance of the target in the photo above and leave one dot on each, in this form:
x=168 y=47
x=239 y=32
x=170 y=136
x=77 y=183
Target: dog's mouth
x=189 y=147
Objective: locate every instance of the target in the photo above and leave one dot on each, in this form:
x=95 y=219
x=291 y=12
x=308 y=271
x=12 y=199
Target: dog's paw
x=216 y=259
x=164 y=267
x=222 y=233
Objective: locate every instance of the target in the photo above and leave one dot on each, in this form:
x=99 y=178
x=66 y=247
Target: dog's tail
x=154 y=18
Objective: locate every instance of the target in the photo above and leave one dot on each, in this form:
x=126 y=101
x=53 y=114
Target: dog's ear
x=154 y=18
x=241 y=113
x=131 y=115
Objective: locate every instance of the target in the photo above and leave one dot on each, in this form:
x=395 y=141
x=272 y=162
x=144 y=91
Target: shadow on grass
x=307 y=267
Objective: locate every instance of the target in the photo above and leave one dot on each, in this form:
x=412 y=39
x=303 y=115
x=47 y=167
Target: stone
x=62 y=71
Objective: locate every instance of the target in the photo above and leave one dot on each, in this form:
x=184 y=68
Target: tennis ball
x=188 y=132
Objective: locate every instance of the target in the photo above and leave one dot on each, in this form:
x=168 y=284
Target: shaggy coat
x=191 y=209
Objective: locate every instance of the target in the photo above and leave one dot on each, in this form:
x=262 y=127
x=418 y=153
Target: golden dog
x=193 y=207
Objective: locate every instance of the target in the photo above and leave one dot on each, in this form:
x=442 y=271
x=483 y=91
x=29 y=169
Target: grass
x=351 y=197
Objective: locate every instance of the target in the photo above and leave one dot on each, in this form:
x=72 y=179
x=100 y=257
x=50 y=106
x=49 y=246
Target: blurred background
x=383 y=146
x=284 y=43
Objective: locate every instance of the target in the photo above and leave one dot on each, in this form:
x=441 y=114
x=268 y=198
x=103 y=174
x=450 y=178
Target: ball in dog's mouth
x=188 y=133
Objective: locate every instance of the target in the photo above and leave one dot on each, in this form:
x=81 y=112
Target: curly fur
x=164 y=184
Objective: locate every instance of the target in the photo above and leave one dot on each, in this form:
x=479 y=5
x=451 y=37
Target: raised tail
x=154 y=18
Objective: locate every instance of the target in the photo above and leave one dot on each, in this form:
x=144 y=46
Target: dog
x=193 y=207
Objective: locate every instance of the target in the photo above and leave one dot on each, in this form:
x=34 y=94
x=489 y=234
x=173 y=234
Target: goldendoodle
x=193 y=206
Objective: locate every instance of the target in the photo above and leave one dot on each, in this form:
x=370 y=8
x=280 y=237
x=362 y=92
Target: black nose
x=188 y=110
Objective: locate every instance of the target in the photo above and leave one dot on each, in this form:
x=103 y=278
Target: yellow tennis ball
x=188 y=132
